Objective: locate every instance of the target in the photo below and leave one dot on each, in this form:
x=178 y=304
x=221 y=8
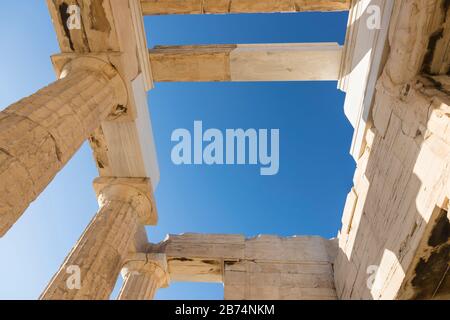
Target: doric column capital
x=138 y=192
x=67 y=64
x=152 y=264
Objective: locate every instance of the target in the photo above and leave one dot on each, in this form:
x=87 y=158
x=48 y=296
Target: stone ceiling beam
x=195 y=257
x=161 y=7
x=246 y=62
x=199 y=257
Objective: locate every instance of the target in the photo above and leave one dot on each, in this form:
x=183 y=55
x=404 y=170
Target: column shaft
x=40 y=133
x=99 y=254
x=102 y=250
x=139 y=286
x=144 y=274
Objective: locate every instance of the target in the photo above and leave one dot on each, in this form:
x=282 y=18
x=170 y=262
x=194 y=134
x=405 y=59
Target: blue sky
x=306 y=197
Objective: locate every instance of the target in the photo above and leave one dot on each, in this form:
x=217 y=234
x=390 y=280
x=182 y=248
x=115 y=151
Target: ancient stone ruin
x=394 y=68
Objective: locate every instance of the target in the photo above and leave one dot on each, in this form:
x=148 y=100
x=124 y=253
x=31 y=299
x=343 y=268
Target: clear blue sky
x=305 y=198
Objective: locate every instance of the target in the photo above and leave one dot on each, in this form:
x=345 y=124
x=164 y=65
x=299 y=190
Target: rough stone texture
x=265 y=267
x=395 y=219
x=104 y=247
x=143 y=275
x=40 y=133
x=417 y=27
x=156 y=7
x=429 y=276
x=274 y=268
x=402 y=179
x=246 y=62
x=250 y=280
x=196 y=257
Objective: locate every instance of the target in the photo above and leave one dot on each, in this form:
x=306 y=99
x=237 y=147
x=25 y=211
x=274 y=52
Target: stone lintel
x=247 y=62
x=157 y=7
x=202 y=257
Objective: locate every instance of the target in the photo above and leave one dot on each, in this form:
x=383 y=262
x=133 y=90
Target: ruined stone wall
x=394 y=242
x=265 y=267
x=274 y=268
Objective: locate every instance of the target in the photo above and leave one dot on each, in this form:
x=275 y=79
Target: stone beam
x=208 y=257
x=113 y=31
x=199 y=257
x=159 y=7
x=246 y=62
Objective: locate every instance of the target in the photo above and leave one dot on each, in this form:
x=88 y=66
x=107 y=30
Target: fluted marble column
x=40 y=133
x=102 y=250
x=143 y=275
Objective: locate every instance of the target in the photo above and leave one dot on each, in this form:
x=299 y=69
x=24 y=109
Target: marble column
x=99 y=255
x=40 y=133
x=143 y=275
